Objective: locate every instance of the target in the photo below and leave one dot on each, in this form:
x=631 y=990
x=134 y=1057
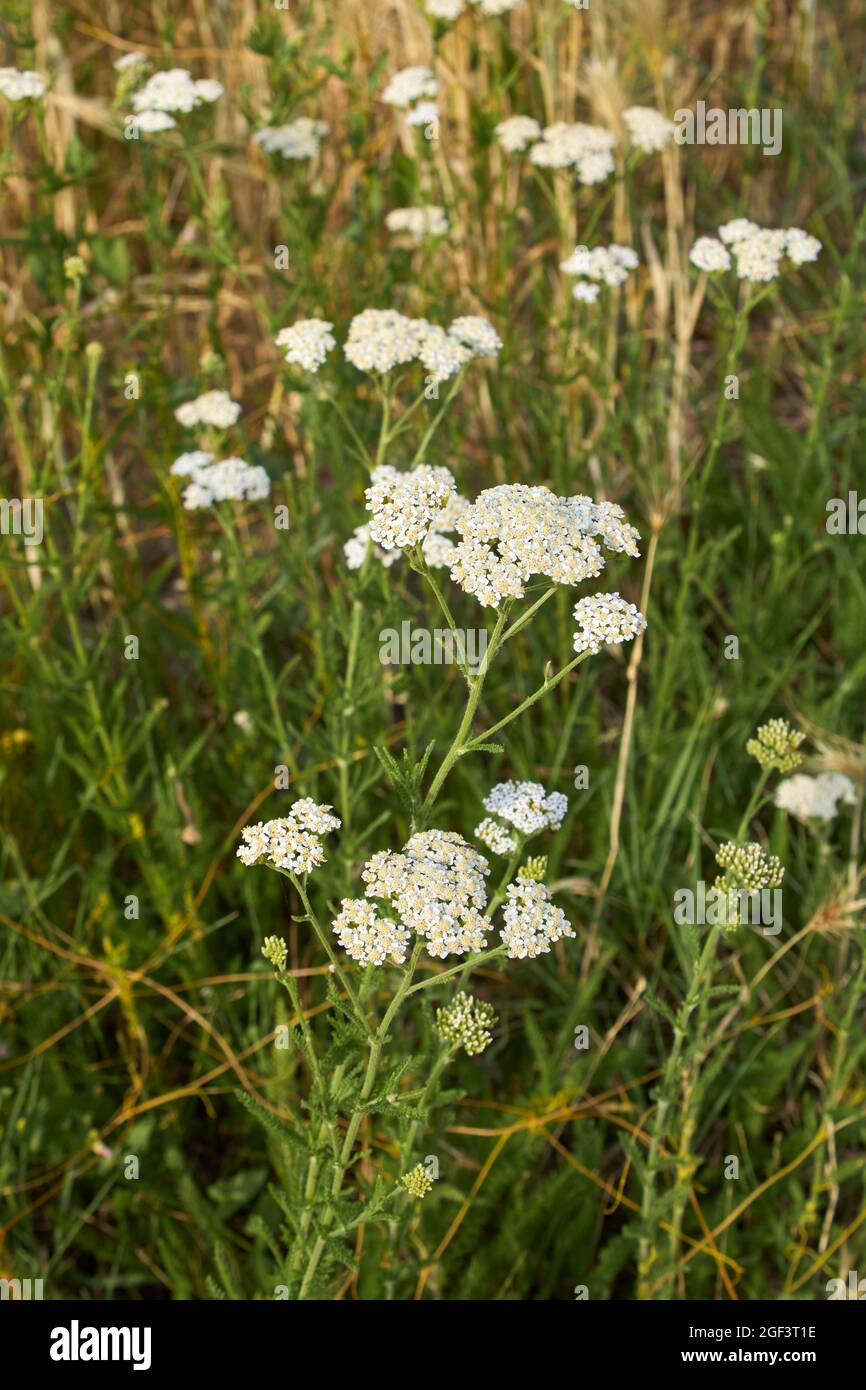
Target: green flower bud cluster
x=749 y=866
x=534 y=868
x=276 y=951
x=466 y=1022
x=775 y=746
x=417 y=1181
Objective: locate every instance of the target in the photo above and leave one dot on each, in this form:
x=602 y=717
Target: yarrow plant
x=433 y=908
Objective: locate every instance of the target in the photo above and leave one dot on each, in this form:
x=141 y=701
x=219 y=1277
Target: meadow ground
x=664 y=1108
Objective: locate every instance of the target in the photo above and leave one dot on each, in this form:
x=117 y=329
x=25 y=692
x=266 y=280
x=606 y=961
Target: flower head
x=16 y=85
x=213 y=408
x=152 y=122
x=231 y=480
x=292 y=842
x=495 y=837
x=815 y=798
x=307 y=343
x=300 y=139
x=417 y=1181
x=477 y=334
x=187 y=465
x=368 y=938
x=527 y=806
x=466 y=1022
x=749 y=866
x=404 y=506
x=800 y=246
x=409 y=85
x=516 y=132
x=775 y=746
x=585 y=148
x=381 y=339
x=512 y=532
x=648 y=129
x=436 y=887
x=275 y=950
x=532 y=923
x=175 y=90
x=605 y=619
x=418 y=222
x=710 y=255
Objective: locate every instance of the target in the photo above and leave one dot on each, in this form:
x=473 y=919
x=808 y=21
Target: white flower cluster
x=231 y=480
x=437 y=547
x=16 y=85
x=453 y=9
x=516 y=132
x=292 y=842
x=418 y=222
x=173 y=90
x=648 y=129
x=410 y=85
x=404 y=505
x=186 y=465
x=709 y=254
x=605 y=520
x=532 y=923
x=368 y=938
x=381 y=339
x=477 y=334
x=607 y=265
x=758 y=251
x=605 y=619
x=214 y=408
x=815 y=798
x=496 y=838
x=355 y=548
x=527 y=806
x=585 y=148
x=436 y=886
x=307 y=343
x=300 y=139
x=512 y=532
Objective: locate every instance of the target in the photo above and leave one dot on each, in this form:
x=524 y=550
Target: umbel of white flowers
x=433 y=889
x=507 y=536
